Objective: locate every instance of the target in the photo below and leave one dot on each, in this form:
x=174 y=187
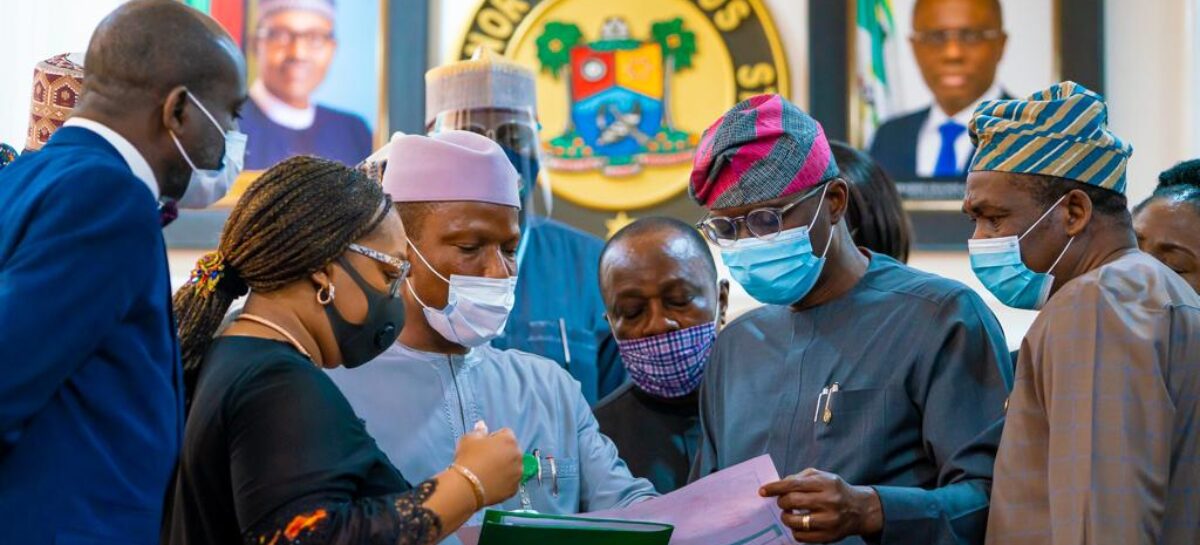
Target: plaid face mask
x=672 y=364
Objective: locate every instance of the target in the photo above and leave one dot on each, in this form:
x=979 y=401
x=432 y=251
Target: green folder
x=515 y=528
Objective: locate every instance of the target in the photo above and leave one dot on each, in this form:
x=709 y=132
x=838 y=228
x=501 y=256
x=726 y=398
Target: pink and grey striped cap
x=761 y=149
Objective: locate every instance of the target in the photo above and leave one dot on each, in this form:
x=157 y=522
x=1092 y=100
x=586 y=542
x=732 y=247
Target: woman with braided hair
x=1168 y=222
x=273 y=453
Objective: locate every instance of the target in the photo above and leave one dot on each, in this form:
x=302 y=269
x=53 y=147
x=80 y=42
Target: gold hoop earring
x=325 y=295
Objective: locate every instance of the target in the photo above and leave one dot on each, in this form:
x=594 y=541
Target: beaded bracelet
x=476 y=484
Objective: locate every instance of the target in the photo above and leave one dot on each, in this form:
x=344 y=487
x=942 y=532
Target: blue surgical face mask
x=998 y=265
x=779 y=271
x=527 y=166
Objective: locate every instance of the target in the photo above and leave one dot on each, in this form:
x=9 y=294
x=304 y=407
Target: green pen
x=530 y=465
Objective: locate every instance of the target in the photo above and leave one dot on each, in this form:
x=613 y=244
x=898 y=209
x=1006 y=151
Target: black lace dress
x=274 y=455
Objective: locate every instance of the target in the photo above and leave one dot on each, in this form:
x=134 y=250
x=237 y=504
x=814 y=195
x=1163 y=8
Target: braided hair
x=294 y=220
x=875 y=216
x=1180 y=183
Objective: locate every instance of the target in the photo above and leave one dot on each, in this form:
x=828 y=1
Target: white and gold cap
x=487 y=80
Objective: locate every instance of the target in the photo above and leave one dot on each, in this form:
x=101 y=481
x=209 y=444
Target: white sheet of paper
x=721 y=509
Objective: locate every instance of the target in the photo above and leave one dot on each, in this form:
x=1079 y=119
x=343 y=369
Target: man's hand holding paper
x=820 y=507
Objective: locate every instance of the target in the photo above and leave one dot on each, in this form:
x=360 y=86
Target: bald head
x=657 y=275
x=145 y=48
x=678 y=239
x=168 y=79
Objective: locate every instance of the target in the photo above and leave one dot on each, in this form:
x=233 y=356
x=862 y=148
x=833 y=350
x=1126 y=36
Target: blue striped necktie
x=947 y=162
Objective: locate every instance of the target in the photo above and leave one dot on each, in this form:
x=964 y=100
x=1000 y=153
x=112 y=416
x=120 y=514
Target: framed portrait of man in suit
x=923 y=66
x=317 y=82
x=330 y=78
x=915 y=70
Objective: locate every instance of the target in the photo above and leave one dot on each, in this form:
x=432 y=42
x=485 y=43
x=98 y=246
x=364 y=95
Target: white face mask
x=208 y=186
x=476 y=310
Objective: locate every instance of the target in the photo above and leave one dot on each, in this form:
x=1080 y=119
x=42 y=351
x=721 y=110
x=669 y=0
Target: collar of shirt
x=137 y=163
x=929 y=142
x=400 y=351
x=280 y=112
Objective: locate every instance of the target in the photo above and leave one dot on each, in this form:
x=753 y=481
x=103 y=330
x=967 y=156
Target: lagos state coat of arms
x=626 y=87
x=618 y=87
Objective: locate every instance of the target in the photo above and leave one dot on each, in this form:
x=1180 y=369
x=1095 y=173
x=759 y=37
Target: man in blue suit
x=958 y=45
x=91 y=411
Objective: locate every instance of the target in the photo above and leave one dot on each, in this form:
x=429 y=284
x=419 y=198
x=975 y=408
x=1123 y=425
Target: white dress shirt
x=280 y=112
x=929 y=141
x=137 y=163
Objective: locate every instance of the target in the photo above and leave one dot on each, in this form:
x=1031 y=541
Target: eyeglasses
x=519 y=137
x=401 y=265
x=764 y=223
x=964 y=36
x=282 y=37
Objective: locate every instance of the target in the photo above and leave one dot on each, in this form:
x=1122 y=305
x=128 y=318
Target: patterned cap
x=763 y=148
x=487 y=80
x=1061 y=131
x=57 y=85
x=321 y=7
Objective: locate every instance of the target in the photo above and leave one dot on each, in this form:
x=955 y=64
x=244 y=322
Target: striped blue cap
x=1061 y=131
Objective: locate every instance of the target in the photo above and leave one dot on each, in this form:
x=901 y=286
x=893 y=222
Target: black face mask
x=361 y=343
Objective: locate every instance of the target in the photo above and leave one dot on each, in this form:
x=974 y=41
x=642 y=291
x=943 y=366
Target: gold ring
x=806 y=522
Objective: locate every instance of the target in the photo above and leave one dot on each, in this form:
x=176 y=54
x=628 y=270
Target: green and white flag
x=877 y=45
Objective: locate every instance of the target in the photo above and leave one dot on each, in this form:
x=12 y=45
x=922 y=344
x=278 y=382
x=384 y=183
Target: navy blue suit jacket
x=334 y=134
x=91 y=405
x=895 y=144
